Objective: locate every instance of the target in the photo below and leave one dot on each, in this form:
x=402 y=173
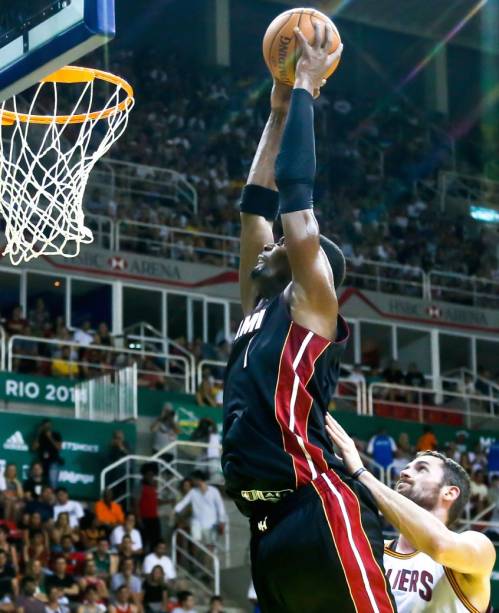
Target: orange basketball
x=280 y=44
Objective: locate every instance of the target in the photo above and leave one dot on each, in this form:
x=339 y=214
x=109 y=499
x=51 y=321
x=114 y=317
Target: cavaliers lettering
x=421 y=585
x=407 y=580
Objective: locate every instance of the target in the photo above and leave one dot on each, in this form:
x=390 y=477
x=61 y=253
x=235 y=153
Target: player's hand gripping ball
x=281 y=48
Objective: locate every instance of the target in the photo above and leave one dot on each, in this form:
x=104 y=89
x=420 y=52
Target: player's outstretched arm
x=259 y=201
x=469 y=553
x=313 y=299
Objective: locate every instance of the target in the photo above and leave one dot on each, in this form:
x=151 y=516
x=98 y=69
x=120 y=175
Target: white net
x=45 y=165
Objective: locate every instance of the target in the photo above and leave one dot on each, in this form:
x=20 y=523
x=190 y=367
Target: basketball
x=280 y=44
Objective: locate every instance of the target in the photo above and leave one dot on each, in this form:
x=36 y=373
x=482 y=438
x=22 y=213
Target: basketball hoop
x=46 y=159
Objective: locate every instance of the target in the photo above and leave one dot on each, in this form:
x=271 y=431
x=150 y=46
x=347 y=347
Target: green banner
x=36 y=390
x=85 y=449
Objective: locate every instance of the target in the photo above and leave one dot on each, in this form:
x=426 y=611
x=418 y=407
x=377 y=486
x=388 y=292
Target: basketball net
x=45 y=162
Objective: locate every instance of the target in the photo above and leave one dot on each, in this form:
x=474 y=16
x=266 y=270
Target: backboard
x=37 y=37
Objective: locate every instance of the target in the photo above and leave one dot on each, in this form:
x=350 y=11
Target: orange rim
x=75 y=74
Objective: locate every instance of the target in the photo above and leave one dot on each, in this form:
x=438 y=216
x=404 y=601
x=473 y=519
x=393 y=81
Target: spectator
x=36 y=549
x=356 y=375
x=39 y=317
x=91 y=601
x=48 y=445
x=216 y=605
x=466 y=385
x=127 y=577
x=462 y=441
x=206 y=394
x=91 y=531
x=105 y=561
x=382 y=448
x=479 y=492
x=34 y=570
x=64 y=366
x=57 y=602
x=414 y=378
x=123 y=601
x=9 y=548
x=16 y=324
x=493 y=458
x=427 y=441
x=71 y=507
x=27 y=602
x=165 y=430
x=119 y=447
x=125 y=549
x=155 y=591
x=61 y=528
x=33 y=485
x=8 y=581
x=185 y=603
x=130 y=530
x=104 y=335
x=159 y=558
x=62 y=581
x=91 y=579
x=75 y=558
x=148 y=508
x=493 y=498
x=208 y=510
x=83 y=336
x=392 y=374
x=44 y=506
x=12 y=496
x=109 y=513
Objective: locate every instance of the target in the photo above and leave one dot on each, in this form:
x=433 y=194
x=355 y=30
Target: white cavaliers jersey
x=420 y=584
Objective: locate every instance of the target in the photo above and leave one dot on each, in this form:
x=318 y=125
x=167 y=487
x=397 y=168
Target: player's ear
x=451 y=492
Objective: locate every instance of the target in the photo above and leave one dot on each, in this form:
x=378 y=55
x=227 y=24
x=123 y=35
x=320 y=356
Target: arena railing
x=175 y=461
x=387 y=278
x=103 y=230
x=98 y=363
x=470 y=189
x=142 y=336
x=429 y=404
x=124 y=180
x=171 y=242
x=187 y=554
x=472 y=291
x=352 y=391
x=3 y=352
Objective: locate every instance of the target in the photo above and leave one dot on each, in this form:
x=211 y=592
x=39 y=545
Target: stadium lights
x=481 y=213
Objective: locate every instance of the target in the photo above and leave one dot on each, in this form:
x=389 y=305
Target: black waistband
x=275 y=511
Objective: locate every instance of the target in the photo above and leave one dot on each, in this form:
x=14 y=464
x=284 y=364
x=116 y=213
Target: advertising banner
x=85 y=449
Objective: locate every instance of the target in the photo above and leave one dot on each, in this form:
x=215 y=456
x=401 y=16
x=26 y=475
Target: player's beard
x=427 y=499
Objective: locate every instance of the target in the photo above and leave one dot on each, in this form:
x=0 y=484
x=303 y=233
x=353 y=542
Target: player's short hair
x=454 y=474
x=336 y=260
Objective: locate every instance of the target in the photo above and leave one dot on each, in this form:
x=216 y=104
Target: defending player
x=429 y=567
x=316 y=538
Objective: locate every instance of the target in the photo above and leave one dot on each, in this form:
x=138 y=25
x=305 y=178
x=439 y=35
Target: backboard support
x=48 y=35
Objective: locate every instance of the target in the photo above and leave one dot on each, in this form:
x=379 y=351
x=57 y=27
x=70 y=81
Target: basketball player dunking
x=429 y=567
x=316 y=538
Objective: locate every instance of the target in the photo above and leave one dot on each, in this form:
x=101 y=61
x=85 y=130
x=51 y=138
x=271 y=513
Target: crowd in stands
x=59 y=554
x=206 y=127
x=480 y=460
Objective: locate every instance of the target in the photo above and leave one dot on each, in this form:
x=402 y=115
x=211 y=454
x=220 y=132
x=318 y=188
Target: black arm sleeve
x=295 y=164
x=258 y=200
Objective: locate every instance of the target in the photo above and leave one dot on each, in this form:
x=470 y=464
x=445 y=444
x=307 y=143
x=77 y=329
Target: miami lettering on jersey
x=250 y=323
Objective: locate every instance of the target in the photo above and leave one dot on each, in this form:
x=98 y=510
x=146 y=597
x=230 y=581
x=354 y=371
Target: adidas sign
x=15 y=442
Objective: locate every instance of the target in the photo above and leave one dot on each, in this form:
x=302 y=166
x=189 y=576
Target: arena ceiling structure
x=469 y=23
